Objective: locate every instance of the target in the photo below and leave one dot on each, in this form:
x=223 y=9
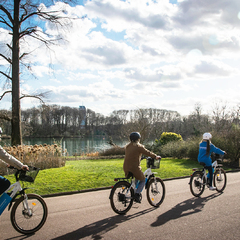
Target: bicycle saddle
x=130 y=175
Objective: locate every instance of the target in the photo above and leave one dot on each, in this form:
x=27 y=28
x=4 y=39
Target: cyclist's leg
x=140 y=186
x=210 y=175
x=4 y=184
x=138 y=174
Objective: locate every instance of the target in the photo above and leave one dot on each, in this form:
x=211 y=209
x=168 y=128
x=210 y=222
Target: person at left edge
x=10 y=161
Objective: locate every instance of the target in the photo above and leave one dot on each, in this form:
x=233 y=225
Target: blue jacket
x=202 y=157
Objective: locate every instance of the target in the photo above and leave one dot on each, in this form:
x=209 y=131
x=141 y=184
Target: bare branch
x=39 y=96
x=9 y=60
x=24 y=54
x=8 y=15
x=5 y=22
x=1 y=97
x=27 y=31
x=4 y=74
x=9 y=46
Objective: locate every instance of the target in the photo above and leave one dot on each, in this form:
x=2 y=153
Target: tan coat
x=133 y=154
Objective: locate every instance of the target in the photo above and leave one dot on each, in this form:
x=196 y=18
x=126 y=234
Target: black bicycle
x=122 y=193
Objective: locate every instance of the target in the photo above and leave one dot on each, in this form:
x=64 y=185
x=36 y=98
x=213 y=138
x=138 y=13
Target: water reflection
x=72 y=145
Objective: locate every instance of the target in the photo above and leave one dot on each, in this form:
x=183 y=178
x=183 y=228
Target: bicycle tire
x=20 y=218
x=155 y=191
x=220 y=179
x=120 y=202
x=196 y=185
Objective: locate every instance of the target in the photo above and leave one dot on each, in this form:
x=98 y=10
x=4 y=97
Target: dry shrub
x=41 y=156
x=113 y=151
x=3 y=168
x=95 y=154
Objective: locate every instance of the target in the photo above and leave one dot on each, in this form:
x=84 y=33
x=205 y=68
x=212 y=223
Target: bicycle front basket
x=156 y=164
x=153 y=163
x=29 y=176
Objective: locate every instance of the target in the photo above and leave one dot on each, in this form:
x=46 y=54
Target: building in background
x=83 y=114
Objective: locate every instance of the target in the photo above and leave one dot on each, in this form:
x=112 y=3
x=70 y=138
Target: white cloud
x=125 y=54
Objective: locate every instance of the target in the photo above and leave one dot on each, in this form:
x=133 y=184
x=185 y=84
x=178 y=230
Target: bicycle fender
x=146 y=184
x=12 y=201
x=111 y=192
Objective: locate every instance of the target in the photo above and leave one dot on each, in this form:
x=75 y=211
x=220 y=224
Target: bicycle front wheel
x=155 y=192
x=121 y=197
x=220 y=179
x=196 y=184
x=28 y=216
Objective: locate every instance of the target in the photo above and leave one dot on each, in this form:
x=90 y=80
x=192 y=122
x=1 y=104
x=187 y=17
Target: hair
x=208 y=148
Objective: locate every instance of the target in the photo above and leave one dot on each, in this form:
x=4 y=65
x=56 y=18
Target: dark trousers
x=4 y=184
x=210 y=171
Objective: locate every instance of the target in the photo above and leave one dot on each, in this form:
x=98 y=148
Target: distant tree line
x=60 y=121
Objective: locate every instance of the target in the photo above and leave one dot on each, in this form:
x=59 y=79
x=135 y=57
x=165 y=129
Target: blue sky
x=138 y=54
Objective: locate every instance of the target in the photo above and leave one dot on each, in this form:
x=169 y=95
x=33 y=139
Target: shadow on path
x=185 y=208
x=97 y=229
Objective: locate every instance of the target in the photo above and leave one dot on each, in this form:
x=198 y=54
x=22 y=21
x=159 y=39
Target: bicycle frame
x=16 y=190
x=204 y=177
x=148 y=174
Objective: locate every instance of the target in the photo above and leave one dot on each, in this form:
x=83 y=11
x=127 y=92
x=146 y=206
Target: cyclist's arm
x=9 y=159
x=145 y=151
x=216 y=150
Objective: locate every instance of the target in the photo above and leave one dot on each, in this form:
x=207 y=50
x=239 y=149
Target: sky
x=130 y=54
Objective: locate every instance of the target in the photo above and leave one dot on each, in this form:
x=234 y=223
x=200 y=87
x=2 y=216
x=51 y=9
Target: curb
x=105 y=188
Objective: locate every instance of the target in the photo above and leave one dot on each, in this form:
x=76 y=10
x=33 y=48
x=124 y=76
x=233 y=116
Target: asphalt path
x=181 y=216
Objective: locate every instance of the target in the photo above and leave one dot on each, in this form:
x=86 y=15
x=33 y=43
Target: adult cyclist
x=133 y=153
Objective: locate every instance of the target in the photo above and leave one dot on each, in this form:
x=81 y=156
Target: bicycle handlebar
x=25 y=175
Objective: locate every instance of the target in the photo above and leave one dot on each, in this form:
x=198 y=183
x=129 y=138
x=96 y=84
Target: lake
x=73 y=145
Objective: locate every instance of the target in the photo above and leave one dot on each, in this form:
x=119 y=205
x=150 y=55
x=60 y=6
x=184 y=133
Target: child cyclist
x=133 y=154
x=204 y=155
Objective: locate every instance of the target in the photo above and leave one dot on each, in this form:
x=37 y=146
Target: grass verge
x=89 y=174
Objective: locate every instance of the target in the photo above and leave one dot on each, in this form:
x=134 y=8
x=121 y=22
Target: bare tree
x=17 y=17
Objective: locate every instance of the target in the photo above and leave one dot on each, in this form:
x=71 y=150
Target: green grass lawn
x=88 y=174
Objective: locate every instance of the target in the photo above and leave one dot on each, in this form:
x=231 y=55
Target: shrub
x=229 y=142
x=193 y=148
x=167 y=137
x=174 y=149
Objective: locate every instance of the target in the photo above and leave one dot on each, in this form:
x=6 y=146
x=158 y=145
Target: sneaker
x=212 y=188
x=137 y=197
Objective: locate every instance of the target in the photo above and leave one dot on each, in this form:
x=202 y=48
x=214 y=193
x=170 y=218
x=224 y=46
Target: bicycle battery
x=5 y=199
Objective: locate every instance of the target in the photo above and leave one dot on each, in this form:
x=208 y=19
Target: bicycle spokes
x=121 y=197
x=155 y=192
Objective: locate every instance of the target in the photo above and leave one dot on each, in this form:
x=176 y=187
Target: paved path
x=181 y=216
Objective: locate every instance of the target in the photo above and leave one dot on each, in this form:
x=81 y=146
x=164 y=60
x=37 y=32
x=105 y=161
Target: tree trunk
x=16 y=137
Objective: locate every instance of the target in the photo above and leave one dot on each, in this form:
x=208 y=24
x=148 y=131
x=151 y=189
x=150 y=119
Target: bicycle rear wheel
x=220 y=179
x=121 y=197
x=29 y=220
x=196 y=184
x=155 y=192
